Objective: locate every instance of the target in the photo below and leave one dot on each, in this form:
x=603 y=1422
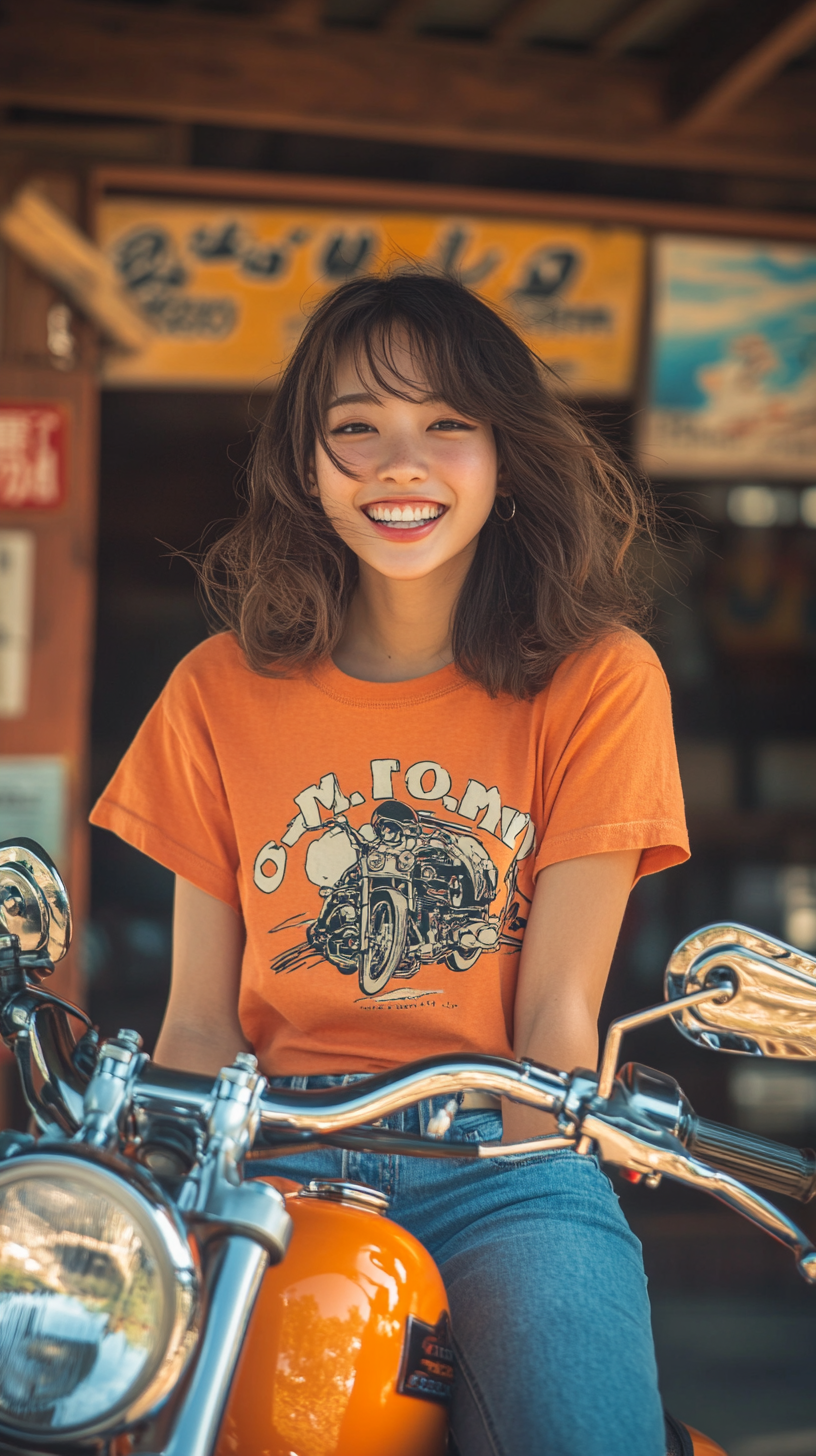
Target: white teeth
x=405 y=515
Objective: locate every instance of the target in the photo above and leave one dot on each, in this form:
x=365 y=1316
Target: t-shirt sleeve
x=611 y=776
x=167 y=797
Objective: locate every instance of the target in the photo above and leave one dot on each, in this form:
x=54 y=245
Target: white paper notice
x=16 y=609
x=33 y=801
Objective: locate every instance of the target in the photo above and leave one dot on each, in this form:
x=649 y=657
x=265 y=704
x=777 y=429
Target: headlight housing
x=98 y=1296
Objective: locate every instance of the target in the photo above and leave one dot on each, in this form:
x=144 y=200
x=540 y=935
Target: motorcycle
x=155 y=1301
x=414 y=890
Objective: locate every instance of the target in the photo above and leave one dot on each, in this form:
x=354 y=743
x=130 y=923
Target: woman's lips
x=404 y=520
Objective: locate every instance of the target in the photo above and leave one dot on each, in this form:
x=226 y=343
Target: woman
x=428 y=664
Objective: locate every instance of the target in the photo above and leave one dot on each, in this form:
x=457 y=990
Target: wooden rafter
x=731 y=53
x=623 y=29
x=50 y=242
x=254 y=71
x=260 y=187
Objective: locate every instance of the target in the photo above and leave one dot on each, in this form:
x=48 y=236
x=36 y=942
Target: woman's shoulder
x=215 y=655
x=618 y=653
x=214 y=668
x=217 y=677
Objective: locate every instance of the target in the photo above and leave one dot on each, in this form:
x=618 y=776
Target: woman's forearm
x=562 y=1037
x=197 y=1048
x=568 y=946
x=201 y=1031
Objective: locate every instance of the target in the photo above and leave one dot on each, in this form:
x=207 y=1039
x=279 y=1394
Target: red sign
x=33 y=440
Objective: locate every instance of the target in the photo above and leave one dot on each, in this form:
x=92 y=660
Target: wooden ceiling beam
x=363 y=193
x=247 y=71
x=731 y=53
x=616 y=37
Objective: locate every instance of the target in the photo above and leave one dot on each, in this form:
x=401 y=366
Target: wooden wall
x=55 y=721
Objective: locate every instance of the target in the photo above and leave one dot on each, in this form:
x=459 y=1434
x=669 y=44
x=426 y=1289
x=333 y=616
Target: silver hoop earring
x=505 y=520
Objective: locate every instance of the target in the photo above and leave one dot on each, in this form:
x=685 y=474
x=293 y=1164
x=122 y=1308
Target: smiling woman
x=409 y=394
x=414 y=827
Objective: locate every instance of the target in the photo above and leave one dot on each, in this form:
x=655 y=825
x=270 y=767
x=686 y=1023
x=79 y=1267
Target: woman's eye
x=451 y=425
x=354 y=427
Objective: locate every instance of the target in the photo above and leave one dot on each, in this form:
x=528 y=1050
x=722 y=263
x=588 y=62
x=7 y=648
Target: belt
x=471 y=1101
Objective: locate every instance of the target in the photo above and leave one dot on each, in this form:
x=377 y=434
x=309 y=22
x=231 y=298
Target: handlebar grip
x=757 y=1160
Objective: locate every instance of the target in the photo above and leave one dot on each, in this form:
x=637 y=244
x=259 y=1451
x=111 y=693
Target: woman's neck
x=398 y=630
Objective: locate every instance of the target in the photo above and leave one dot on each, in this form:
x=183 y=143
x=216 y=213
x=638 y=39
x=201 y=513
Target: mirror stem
x=720 y=993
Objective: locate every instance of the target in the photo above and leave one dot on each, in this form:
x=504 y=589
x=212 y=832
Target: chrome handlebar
x=632 y=1127
x=624 y=1133
x=628 y=1128
x=666 y=1157
x=163 y=1092
x=333 y=1109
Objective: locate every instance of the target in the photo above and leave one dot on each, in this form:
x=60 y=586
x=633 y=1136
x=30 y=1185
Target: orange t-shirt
x=381 y=840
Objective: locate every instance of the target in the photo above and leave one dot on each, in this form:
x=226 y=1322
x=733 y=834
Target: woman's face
x=425 y=474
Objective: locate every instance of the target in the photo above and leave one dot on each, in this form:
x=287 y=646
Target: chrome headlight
x=98 y=1297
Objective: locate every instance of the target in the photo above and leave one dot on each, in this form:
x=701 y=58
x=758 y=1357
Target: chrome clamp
x=108 y=1094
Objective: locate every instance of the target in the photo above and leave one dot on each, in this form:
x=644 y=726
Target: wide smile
x=404 y=520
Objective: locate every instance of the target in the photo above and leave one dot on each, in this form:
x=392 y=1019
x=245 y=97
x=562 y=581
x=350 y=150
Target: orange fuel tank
x=348 y=1350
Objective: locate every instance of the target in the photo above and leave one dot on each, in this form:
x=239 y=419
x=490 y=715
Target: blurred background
x=634 y=183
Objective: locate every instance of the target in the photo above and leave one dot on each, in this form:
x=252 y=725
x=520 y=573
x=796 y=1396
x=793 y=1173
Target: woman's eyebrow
x=363 y=398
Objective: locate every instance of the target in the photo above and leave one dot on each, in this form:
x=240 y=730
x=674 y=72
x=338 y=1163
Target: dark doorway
x=169 y=467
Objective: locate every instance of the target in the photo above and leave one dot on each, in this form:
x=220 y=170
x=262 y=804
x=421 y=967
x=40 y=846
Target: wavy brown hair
x=554 y=578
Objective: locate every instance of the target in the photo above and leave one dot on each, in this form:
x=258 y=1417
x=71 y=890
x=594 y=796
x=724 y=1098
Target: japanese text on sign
x=17 y=553
x=32 y=456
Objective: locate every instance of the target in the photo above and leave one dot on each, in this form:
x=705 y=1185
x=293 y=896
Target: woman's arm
x=201 y=1031
x=568 y=945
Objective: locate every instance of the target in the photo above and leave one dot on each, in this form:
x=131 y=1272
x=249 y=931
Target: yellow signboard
x=228 y=288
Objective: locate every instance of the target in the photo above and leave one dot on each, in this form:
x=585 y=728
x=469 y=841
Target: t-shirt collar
x=355 y=691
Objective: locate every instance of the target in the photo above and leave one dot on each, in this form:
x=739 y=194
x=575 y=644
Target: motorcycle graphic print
x=417 y=890
x=405 y=890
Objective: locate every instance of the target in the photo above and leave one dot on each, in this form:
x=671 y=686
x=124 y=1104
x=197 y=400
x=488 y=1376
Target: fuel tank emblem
x=427 y=1361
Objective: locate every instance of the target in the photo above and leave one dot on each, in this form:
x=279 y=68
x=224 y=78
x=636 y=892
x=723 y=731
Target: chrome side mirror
x=772 y=1012
x=34 y=903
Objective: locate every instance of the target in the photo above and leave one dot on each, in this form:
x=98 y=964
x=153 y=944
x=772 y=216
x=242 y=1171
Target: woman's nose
x=402 y=465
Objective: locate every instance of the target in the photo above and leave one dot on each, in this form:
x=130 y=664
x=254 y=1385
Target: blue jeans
x=549 y=1309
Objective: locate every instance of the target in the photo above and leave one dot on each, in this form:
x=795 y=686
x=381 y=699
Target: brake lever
x=651 y=1150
